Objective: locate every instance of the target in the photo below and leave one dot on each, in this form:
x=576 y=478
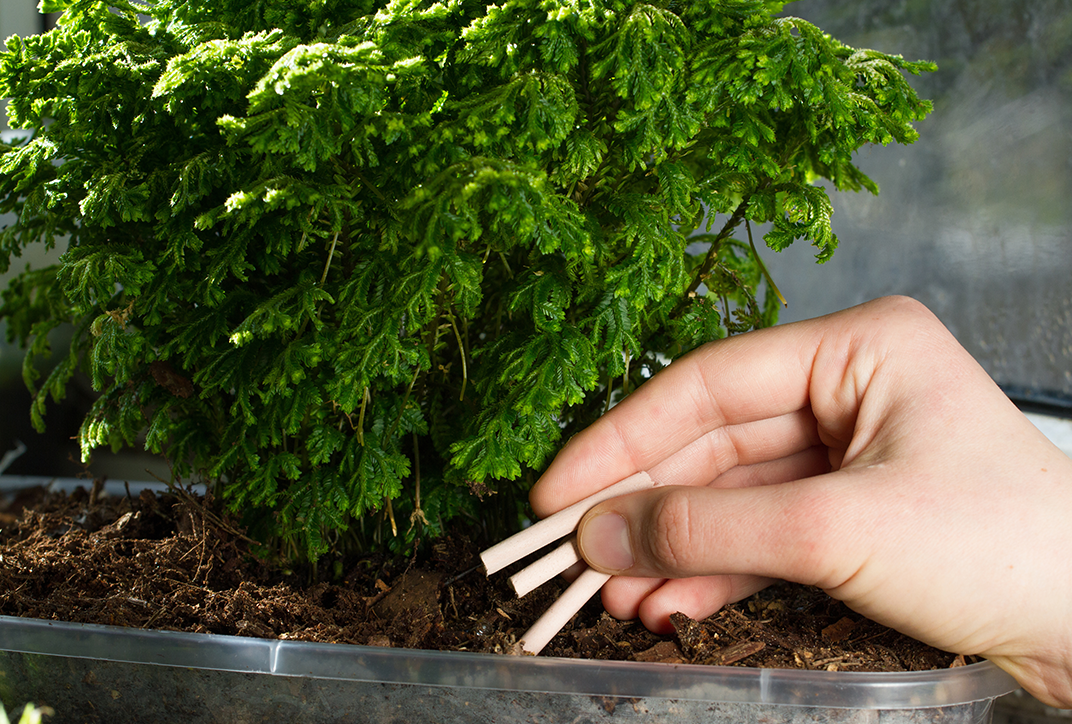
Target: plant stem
x=391 y=517
x=361 y=417
x=763 y=267
x=712 y=252
x=461 y=351
x=418 y=512
x=331 y=253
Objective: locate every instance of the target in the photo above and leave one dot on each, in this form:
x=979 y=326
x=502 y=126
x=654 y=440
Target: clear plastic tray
x=100 y=673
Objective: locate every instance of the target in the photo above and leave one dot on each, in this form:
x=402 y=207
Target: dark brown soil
x=168 y=563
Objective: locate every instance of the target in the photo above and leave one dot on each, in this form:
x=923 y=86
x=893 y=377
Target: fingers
x=724 y=449
x=700 y=408
x=623 y=595
x=715 y=387
x=793 y=531
x=805 y=464
x=706 y=458
x=654 y=600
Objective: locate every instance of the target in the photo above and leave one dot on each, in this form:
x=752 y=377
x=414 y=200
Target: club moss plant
x=364 y=265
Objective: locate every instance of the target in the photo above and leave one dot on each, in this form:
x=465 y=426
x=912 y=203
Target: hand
x=865 y=453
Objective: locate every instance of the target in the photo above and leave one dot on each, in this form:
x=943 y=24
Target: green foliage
x=29 y=715
x=359 y=260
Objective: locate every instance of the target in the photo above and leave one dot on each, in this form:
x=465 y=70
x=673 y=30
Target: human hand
x=865 y=453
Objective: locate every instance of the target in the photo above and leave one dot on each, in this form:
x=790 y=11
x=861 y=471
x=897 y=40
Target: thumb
x=777 y=531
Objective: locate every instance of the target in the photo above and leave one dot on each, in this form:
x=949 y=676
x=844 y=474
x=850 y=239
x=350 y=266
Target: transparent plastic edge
x=342 y=662
x=10 y=484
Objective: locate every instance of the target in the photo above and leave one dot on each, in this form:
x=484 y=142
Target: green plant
x=29 y=715
x=367 y=260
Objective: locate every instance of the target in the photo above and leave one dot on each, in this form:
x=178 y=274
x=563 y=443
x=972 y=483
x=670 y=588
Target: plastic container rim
x=345 y=662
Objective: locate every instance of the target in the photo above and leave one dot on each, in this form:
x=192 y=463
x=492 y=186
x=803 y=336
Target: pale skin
x=864 y=452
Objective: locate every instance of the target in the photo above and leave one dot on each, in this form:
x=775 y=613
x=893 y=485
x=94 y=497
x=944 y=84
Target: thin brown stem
x=763 y=267
x=361 y=417
x=331 y=254
x=461 y=352
x=712 y=252
x=417 y=516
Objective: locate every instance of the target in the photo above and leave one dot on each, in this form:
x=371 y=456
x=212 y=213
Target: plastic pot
x=108 y=674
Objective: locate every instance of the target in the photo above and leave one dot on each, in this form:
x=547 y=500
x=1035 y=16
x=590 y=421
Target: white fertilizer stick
x=562 y=610
x=543 y=570
x=556 y=526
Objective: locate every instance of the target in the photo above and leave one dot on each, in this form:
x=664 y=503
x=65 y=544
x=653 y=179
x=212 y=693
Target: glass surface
x=974 y=219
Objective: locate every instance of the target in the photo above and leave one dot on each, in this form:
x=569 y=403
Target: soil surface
x=168 y=562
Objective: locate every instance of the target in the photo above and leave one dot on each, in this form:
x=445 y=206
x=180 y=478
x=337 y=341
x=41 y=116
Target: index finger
x=755 y=376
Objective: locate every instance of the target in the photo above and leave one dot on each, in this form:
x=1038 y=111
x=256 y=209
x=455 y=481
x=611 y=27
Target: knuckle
x=909 y=312
x=821 y=540
x=672 y=543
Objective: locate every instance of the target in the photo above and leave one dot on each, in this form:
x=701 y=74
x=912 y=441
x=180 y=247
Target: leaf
x=286 y=311
x=677 y=185
x=545 y=295
x=613 y=333
x=653 y=265
x=53 y=6
x=547 y=371
x=699 y=323
x=533 y=110
x=505 y=442
x=805 y=213
x=584 y=153
x=645 y=56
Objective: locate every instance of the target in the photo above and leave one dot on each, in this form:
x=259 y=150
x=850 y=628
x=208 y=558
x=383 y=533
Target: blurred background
x=46 y=454
x=975 y=218
x=54 y=453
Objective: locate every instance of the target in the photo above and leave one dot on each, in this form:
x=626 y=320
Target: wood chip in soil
x=169 y=562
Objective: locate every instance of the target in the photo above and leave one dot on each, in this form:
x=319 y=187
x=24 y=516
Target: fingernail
x=604 y=542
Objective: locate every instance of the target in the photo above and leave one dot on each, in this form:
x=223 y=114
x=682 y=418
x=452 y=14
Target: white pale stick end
x=556 y=526
x=543 y=570
x=562 y=610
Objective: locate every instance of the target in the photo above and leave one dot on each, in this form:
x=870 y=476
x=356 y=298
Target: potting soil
x=170 y=562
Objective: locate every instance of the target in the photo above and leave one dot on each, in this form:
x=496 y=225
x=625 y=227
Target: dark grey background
x=974 y=219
